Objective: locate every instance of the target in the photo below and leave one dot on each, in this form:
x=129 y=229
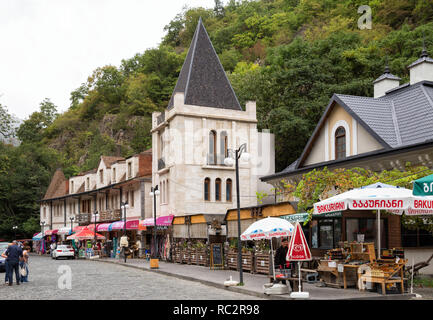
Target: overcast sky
x=50 y=47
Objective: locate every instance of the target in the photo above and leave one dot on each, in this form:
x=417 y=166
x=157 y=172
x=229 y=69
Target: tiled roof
x=57 y=187
x=202 y=78
x=108 y=161
x=402 y=117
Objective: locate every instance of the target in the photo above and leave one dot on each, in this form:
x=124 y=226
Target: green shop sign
x=298 y=217
x=336 y=214
x=423 y=186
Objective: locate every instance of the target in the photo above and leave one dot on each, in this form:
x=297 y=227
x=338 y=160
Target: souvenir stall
x=163 y=245
x=369 y=269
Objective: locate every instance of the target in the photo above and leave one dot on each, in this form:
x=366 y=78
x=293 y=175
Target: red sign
x=298 y=247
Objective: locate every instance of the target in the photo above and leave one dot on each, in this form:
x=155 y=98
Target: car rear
x=64 y=251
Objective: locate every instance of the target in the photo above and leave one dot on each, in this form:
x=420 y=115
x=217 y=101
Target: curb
x=205 y=282
x=406 y=296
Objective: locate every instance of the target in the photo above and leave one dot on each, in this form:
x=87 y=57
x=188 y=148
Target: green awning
x=423 y=186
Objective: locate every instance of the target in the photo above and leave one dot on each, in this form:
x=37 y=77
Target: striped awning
x=64 y=230
x=50 y=232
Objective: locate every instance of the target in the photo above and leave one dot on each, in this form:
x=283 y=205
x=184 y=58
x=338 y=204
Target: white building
x=193 y=136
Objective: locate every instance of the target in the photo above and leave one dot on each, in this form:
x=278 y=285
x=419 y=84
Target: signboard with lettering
x=216 y=255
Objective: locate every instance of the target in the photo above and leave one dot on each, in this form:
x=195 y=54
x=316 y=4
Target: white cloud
x=50 y=47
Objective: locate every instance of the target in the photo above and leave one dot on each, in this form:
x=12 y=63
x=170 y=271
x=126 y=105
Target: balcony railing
x=83 y=218
x=110 y=215
x=215 y=159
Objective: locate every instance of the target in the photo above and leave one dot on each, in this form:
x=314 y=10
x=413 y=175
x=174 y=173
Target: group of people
x=17 y=260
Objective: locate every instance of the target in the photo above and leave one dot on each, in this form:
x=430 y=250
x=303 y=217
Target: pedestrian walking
x=3 y=254
x=24 y=266
x=13 y=253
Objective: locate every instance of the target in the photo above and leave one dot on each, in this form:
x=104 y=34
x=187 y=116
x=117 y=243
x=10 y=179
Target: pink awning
x=78 y=228
x=132 y=224
x=118 y=225
x=51 y=232
x=160 y=221
x=91 y=227
x=103 y=227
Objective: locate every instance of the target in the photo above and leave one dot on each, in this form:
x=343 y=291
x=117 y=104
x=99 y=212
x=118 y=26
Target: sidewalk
x=253 y=283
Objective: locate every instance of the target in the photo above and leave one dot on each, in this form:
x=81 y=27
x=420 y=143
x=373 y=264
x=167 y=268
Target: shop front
x=163 y=236
x=327 y=231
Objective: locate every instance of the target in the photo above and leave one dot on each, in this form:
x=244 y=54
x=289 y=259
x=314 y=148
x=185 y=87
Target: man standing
x=14 y=253
x=280 y=256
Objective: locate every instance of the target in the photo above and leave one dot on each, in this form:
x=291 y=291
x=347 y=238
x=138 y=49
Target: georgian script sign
x=216 y=255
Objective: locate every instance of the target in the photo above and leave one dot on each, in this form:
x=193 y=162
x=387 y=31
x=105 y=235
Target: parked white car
x=63 y=251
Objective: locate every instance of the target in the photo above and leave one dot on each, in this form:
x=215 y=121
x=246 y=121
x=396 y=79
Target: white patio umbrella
x=374 y=197
x=268 y=228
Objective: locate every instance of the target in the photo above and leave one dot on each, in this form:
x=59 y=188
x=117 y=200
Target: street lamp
x=124 y=206
x=95 y=214
x=234 y=158
x=15 y=231
x=72 y=221
x=42 y=236
x=154 y=261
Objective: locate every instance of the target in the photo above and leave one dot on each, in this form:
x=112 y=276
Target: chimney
x=385 y=82
x=421 y=69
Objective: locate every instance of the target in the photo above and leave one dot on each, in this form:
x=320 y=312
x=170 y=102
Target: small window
x=88 y=183
x=101 y=176
x=114 y=174
x=129 y=169
x=131 y=202
x=207 y=189
x=72 y=187
x=223 y=145
x=340 y=143
x=212 y=147
x=218 y=189
x=229 y=190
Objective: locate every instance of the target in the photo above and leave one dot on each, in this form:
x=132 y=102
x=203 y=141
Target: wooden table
x=346 y=267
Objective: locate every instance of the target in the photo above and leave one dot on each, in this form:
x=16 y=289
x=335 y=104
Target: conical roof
x=202 y=78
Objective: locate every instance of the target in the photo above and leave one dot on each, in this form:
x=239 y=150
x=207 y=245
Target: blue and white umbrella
x=37 y=237
x=268 y=228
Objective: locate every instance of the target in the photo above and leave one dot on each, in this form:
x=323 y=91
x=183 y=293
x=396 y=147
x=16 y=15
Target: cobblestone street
x=93 y=280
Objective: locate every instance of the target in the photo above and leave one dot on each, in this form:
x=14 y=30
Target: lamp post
x=42 y=234
x=234 y=158
x=15 y=231
x=124 y=206
x=95 y=214
x=154 y=261
x=72 y=221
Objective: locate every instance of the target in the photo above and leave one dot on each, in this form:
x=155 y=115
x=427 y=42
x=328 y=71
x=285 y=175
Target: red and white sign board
x=298 y=247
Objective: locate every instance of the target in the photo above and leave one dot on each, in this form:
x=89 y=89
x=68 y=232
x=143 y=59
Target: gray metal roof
x=202 y=78
x=402 y=117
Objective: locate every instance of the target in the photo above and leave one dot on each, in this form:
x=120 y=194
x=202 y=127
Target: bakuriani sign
x=298 y=247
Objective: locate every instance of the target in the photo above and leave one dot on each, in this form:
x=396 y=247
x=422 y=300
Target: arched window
x=212 y=147
x=229 y=190
x=223 y=146
x=207 y=189
x=217 y=189
x=340 y=143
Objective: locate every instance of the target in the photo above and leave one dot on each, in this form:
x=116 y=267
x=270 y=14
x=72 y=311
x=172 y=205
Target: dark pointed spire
x=387 y=74
x=202 y=78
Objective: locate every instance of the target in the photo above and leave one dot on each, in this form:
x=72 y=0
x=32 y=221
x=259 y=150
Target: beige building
x=100 y=191
x=193 y=136
x=379 y=133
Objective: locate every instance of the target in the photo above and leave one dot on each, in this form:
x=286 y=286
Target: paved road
x=95 y=280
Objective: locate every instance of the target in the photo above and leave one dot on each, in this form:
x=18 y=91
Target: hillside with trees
x=288 y=55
